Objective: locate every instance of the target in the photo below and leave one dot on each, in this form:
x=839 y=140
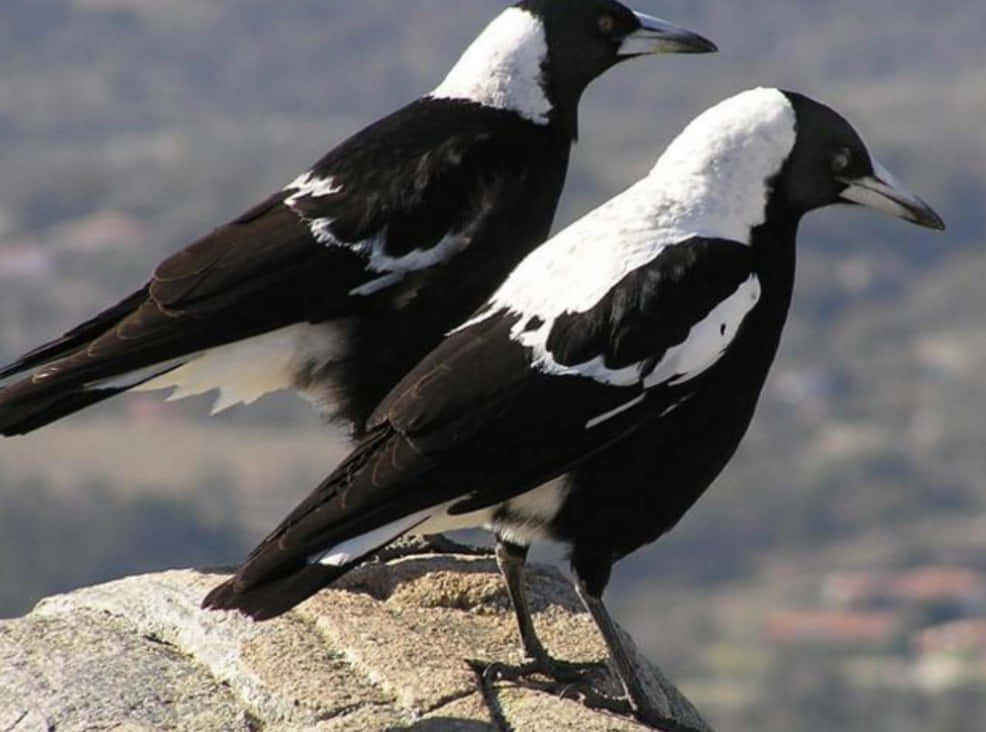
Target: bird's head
x=831 y=164
x=538 y=56
x=588 y=37
x=767 y=150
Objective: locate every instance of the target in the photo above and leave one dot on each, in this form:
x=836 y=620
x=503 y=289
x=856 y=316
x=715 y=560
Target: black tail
x=59 y=388
x=283 y=570
x=29 y=404
x=24 y=409
x=79 y=337
x=272 y=598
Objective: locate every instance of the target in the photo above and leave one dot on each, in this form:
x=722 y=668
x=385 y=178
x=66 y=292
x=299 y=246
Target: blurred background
x=833 y=578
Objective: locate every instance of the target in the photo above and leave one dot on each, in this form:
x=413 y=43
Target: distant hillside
x=183 y=117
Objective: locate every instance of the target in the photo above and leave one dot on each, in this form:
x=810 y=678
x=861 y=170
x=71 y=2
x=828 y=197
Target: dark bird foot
x=562 y=672
x=412 y=546
x=578 y=682
x=558 y=678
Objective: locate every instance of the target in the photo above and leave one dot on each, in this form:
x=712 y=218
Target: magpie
x=627 y=352
x=339 y=283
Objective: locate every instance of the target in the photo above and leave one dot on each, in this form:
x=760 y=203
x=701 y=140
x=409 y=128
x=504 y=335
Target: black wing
x=391 y=197
x=474 y=423
x=400 y=186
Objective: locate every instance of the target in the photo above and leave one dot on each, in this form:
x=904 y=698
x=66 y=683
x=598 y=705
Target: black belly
x=637 y=490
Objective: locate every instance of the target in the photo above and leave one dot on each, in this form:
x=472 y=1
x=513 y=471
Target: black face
x=584 y=38
x=584 y=33
x=828 y=152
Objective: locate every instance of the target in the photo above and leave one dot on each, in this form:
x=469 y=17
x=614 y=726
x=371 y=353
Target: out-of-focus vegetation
x=54 y=542
x=129 y=127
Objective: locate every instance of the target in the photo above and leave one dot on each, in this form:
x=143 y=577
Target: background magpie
x=629 y=351
x=337 y=284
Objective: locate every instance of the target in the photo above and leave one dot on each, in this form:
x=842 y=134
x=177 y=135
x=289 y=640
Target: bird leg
x=654 y=712
x=510 y=558
x=588 y=683
x=562 y=676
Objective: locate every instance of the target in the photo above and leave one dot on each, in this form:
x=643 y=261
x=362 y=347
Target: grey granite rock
x=384 y=650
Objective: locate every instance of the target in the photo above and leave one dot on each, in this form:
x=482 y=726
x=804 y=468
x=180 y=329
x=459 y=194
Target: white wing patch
x=708 y=339
x=502 y=68
x=308 y=185
x=705 y=343
x=378 y=260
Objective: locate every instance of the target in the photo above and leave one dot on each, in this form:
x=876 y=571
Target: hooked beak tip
x=882 y=192
x=700 y=44
x=656 y=36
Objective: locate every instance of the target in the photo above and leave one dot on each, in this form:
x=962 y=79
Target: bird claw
x=572 y=681
x=558 y=673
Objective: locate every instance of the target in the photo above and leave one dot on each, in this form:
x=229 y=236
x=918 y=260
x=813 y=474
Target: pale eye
x=842 y=160
x=607 y=23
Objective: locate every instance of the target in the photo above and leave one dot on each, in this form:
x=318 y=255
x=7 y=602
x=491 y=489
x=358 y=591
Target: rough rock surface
x=384 y=650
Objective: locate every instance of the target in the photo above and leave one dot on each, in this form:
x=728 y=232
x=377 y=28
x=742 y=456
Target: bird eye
x=841 y=160
x=607 y=23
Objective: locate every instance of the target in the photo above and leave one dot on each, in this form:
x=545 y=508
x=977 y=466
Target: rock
x=385 y=649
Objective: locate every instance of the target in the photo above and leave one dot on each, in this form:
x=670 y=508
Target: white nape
x=713 y=182
x=244 y=371
x=503 y=67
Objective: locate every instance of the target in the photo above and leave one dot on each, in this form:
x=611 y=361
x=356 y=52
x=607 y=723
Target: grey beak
x=659 y=36
x=882 y=192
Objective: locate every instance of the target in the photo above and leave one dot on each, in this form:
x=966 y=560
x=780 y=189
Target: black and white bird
x=339 y=283
x=628 y=351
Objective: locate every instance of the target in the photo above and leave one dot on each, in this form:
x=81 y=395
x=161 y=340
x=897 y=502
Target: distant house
x=867 y=630
x=961 y=636
x=964 y=590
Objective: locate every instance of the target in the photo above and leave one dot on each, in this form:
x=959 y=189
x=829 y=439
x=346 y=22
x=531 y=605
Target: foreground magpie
x=339 y=283
x=628 y=351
